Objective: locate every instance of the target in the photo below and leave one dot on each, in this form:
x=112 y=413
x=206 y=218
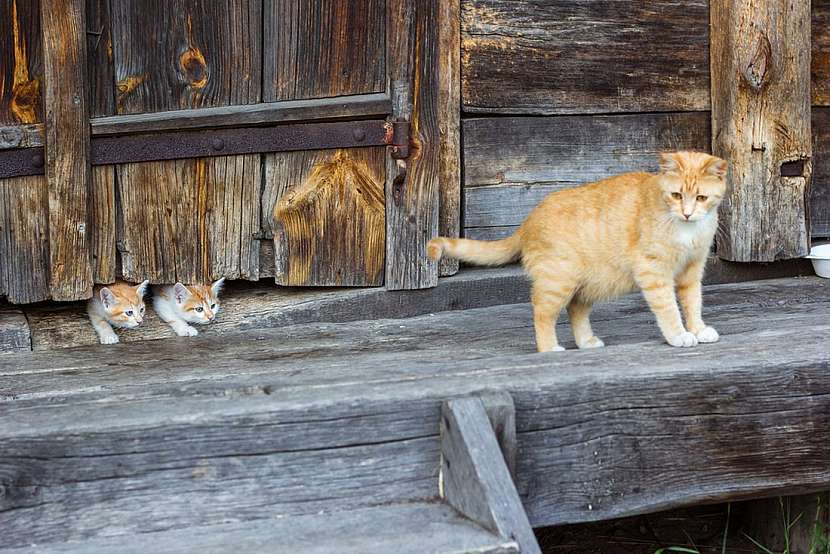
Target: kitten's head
x=693 y=184
x=124 y=303
x=197 y=303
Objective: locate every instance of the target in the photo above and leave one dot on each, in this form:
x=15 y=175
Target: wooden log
x=188 y=220
x=512 y=163
x=596 y=439
x=820 y=186
x=403 y=529
x=412 y=191
x=329 y=221
x=449 y=126
x=584 y=56
x=14 y=332
x=24 y=234
x=761 y=124
x=820 y=64
x=474 y=478
x=67 y=148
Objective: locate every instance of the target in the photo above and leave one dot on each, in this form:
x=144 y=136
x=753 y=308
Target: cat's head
x=197 y=303
x=692 y=183
x=124 y=303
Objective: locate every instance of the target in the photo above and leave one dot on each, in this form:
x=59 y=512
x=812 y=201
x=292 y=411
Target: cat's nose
x=687 y=216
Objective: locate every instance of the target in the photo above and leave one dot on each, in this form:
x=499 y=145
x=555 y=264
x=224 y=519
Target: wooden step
x=419 y=528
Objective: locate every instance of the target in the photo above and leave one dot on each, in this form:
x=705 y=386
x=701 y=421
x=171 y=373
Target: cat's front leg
x=658 y=290
x=104 y=331
x=182 y=328
x=689 y=289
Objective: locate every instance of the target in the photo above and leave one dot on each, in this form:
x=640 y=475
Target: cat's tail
x=478 y=252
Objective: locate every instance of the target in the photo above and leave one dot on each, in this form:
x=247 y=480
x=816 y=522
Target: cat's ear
x=217 y=286
x=107 y=297
x=668 y=162
x=181 y=293
x=717 y=167
x=141 y=288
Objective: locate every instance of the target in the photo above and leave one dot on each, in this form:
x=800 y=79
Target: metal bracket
x=397 y=137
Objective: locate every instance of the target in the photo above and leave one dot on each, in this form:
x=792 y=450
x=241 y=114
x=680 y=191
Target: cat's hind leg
x=579 y=313
x=549 y=298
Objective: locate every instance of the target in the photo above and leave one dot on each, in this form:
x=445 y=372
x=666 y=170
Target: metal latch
x=397 y=137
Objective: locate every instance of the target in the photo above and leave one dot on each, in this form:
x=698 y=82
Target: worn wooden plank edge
x=399 y=528
x=248 y=306
x=15 y=335
x=474 y=477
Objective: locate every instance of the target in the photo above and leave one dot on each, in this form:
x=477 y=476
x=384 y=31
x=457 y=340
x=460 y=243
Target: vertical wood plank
x=24 y=246
x=67 y=147
x=412 y=186
x=820 y=186
x=100 y=74
x=760 y=75
x=329 y=226
x=188 y=220
x=449 y=126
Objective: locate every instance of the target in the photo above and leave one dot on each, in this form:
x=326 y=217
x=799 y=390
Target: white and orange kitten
x=180 y=305
x=602 y=240
x=118 y=305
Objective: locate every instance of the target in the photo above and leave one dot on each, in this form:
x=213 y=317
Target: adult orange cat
x=604 y=239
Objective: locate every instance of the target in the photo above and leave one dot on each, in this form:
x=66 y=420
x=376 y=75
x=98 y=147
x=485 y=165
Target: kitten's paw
x=593 y=342
x=708 y=334
x=186 y=331
x=557 y=348
x=109 y=338
x=683 y=340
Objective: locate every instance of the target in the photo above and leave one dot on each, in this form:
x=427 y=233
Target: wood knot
x=757 y=66
x=24 y=102
x=126 y=86
x=194 y=68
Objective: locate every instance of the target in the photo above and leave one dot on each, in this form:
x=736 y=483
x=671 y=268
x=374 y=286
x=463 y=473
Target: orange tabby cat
x=178 y=305
x=601 y=240
x=120 y=304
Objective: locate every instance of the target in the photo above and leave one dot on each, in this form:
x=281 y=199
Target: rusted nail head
x=218 y=144
x=359 y=135
x=37 y=160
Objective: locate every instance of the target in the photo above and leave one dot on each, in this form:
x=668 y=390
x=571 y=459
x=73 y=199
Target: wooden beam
x=412 y=185
x=15 y=335
x=760 y=73
x=67 y=147
x=474 y=477
x=449 y=126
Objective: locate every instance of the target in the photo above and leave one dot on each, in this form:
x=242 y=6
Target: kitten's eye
x=701 y=198
x=213 y=306
x=199 y=309
x=676 y=195
x=141 y=310
x=129 y=313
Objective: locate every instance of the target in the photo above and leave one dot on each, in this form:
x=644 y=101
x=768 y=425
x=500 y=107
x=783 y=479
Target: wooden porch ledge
x=303 y=418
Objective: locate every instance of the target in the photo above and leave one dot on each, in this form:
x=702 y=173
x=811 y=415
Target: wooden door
x=313 y=203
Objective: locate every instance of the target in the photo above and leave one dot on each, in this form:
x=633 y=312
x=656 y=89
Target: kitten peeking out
x=178 y=305
x=602 y=240
x=120 y=304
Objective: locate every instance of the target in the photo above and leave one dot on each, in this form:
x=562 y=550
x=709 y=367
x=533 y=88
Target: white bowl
x=820 y=256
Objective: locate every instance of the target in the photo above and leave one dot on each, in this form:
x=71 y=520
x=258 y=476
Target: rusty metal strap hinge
x=173 y=145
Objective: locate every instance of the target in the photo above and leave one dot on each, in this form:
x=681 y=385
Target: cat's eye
x=213 y=306
x=701 y=198
x=676 y=195
x=141 y=310
x=199 y=309
x=129 y=313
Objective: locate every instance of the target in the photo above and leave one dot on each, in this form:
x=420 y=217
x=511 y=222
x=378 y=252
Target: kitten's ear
x=107 y=297
x=668 y=162
x=217 y=286
x=180 y=292
x=717 y=167
x=141 y=288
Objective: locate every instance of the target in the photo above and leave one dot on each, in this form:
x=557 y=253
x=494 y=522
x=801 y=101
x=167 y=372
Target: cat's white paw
x=683 y=340
x=109 y=338
x=186 y=331
x=557 y=348
x=708 y=334
x=593 y=342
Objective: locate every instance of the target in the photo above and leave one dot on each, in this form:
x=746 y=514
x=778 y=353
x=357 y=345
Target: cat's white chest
x=694 y=234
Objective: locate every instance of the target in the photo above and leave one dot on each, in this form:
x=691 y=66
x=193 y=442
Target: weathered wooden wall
x=561 y=68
